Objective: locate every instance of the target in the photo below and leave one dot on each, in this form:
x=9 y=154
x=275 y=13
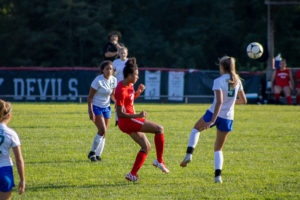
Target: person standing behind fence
x=135 y=125
x=101 y=91
x=298 y=87
x=226 y=88
x=282 y=80
x=118 y=66
x=111 y=48
x=9 y=139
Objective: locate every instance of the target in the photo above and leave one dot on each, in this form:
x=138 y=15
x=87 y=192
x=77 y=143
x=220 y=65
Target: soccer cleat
x=161 y=166
x=186 y=160
x=131 y=177
x=98 y=158
x=116 y=124
x=218 y=179
x=92 y=156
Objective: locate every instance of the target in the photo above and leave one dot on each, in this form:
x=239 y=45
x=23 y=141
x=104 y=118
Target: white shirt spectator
x=229 y=96
x=104 y=89
x=8 y=139
x=118 y=66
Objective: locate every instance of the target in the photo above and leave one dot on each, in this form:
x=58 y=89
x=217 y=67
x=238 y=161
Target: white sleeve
x=115 y=82
x=114 y=65
x=15 y=139
x=95 y=84
x=216 y=85
x=241 y=88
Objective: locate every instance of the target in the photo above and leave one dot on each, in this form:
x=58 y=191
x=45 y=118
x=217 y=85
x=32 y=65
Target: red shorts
x=129 y=125
x=282 y=85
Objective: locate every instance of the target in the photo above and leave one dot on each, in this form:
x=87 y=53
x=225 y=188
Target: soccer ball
x=255 y=50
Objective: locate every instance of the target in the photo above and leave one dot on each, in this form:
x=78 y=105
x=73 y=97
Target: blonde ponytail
x=5 y=109
x=228 y=64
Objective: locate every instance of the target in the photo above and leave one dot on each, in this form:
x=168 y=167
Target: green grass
x=261 y=156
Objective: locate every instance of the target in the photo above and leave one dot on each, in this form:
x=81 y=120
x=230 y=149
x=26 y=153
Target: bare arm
x=111 y=54
x=112 y=96
x=20 y=167
x=140 y=90
x=121 y=114
x=219 y=98
x=242 y=98
x=90 y=104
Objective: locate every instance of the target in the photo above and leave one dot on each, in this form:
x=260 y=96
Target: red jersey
x=282 y=77
x=298 y=78
x=125 y=97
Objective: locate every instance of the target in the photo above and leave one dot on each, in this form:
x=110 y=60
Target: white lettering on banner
x=43 y=91
x=30 y=88
x=152 y=83
x=1 y=81
x=38 y=88
x=73 y=89
x=176 y=86
x=18 y=81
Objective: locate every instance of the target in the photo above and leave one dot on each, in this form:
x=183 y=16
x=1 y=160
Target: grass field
x=261 y=156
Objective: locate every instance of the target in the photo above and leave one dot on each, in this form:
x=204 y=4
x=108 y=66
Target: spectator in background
x=111 y=49
x=118 y=66
x=298 y=87
x=282 y=80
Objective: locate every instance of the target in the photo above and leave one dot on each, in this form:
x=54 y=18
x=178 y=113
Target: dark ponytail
x=130 y=67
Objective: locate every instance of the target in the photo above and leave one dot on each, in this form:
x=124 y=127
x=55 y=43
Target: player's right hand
x=143 y=114
x=92 y=116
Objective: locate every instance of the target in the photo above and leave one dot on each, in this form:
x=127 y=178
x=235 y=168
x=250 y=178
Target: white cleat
x=186 y=160
x=218 y=179
x=161 y=166
x=131 y=177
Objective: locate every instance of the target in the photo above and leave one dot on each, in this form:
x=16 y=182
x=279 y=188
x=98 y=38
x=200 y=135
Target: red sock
x=159 y=145
x=298 y=99
x=277 y=97
x=140 y=159
x=289 y=100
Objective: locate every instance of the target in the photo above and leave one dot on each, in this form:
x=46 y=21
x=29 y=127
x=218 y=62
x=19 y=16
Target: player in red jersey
x=284 y=81
x=298 y=87
x=135 y=125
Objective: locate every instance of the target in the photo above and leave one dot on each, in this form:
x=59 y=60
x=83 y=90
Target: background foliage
x=161 y=33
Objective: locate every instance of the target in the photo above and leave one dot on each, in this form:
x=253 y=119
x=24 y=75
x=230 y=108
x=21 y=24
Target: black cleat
x=98 y=158
x=92 y=156
x=116 y=123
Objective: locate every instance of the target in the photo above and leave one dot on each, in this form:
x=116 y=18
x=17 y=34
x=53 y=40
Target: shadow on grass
x=50 y=187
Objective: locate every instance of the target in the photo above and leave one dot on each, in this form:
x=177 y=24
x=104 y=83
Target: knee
x=160 y=129
x=146 y=148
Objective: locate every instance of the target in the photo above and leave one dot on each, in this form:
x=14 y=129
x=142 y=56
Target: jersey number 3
x=231 y=91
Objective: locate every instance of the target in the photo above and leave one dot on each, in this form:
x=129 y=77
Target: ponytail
x=228 y=64
x=5 y=109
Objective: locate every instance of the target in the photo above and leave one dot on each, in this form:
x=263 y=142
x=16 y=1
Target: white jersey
x=8 y=139
x=229 y=96
x=118 y=66
x=104 y=89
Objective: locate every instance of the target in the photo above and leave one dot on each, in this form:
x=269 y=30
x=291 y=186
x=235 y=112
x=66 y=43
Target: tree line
x=160 y=33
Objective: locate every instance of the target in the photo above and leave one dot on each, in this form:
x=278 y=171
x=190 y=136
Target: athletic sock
x=96 y=142
x=298 y=99
x=193 y=140
x=218 y=157
x=159 y=146
x=140 y=159
x=277 y=96
x=100 y=148
x=289 y=100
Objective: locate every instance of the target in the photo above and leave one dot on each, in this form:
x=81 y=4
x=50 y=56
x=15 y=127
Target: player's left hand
x=141 y=88
x=208 y=124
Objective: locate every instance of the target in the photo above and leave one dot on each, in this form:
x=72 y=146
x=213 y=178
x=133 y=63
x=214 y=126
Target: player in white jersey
x=226 y=89
x=101 y=92
x=9 y=139
x=118 y=66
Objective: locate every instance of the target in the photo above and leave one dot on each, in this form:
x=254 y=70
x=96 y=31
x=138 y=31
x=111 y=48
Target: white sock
x=218 y=159
x=96 y=142
x=100 y=148
x=194 y=137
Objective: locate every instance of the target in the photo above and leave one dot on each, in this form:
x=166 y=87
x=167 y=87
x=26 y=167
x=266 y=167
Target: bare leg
x=5 y=195
x=287 y=94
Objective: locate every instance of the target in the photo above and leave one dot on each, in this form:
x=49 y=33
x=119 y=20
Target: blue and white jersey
x=8 y=139
x=104 y=89
x=229 y=96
